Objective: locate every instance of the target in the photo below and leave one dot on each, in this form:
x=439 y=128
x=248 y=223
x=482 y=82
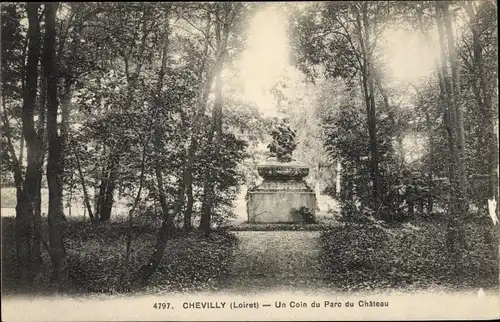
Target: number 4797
x=161 y=305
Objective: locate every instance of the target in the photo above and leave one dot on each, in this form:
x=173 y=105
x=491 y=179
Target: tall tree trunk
x=30 y=191
x=37 y=199
x=484 y=98
x=222 y=34
x=208 y=185
x=56 y=213
x=451 y=95
x=372 y=118
x=193 y=147
x=157 y=142
x=367 y=82
x=204 y=90
x=167 y=227
x=432 y=152
x=456 y=98
x=68 y=81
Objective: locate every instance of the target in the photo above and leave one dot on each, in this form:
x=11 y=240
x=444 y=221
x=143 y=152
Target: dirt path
x=275 y=261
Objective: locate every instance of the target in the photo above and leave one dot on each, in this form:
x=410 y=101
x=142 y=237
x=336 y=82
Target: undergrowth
x=96 y=255
x=409 y=256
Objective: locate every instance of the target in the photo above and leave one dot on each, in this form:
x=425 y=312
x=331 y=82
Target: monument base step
x=279 y=226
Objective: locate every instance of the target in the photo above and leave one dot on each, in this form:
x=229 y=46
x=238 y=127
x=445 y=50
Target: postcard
x=239 y=161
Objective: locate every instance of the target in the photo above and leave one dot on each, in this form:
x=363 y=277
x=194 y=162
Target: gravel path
x=276 y=261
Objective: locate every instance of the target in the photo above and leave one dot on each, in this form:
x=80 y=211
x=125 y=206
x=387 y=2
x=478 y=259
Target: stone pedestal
x=282 y=191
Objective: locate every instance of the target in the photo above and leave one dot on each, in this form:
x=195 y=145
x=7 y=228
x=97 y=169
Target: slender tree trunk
x=157 y=142
x=188 y=179
x=163 y=200
x=56 y=213
x=107 y=188
x=166 y=231
x=65 y=124
x=21 y=152
x=128 y=245
x=101 y=192
x=70 y=198
x=84 y=188
x=106 y=199
x=430 y=172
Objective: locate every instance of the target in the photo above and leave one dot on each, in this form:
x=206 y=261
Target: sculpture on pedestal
x=283 y=191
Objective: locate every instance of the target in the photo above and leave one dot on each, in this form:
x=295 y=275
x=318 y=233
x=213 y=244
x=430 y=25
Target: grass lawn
x=75 y=209
x=8 y=197
x=95 y=257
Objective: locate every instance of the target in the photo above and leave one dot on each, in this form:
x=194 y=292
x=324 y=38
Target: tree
x=29 y=188
x=224 y=16
x=54 y=171
x=204 y=88
x=454 y=124
x=342 y=39
x=134 y=52
x=224 y=19
x=167 y=227
x=483 y=91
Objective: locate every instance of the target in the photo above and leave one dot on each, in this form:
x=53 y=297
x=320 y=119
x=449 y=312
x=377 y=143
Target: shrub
x=305 y=214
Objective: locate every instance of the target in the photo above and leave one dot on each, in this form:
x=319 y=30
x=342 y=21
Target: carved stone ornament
x=283 y=171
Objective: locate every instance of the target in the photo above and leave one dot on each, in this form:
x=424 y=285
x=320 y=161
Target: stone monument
x=283 y=192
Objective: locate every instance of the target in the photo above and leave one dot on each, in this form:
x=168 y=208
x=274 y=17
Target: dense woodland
x=139 y=101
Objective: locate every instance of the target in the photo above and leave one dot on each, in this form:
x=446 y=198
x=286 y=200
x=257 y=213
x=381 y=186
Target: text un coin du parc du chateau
x=280 y=304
